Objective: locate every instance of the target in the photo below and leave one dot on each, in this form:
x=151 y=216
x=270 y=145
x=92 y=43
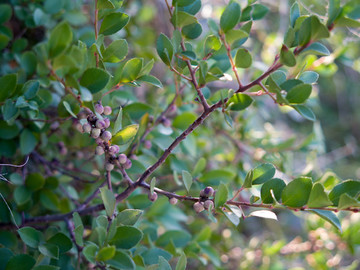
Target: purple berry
x=107 y=110
x=87 y=128
x=147 y=144
x=173 y=201
x=114 y=149
x=99 y=108
x=127 y=164
x=99 y=150
x=99 y=141
x=153 y=197
x=122 y=158
x=95 y=133
x=106 y=136
x=208 y=191
x=109 y=167
x=166 y=122
x=100 y=124
x=107 y=122
x=198 y=207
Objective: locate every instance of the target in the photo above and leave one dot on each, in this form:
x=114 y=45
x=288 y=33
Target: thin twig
x=17 y=166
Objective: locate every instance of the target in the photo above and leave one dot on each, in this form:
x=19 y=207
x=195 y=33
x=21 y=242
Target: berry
x=95 y=133
x=107 y=122
x=198 y=207
x=147 y=144
x=114 y=149
x=99 y=141
x=106 y=136
x=99 y=108
x=99 y=150
x=122 y=158
x=107 y=110
x=100 y=124
x=172 y=109
x=173 y=201
x=208 y=192
x=87 y=128
x=54 y=125
x=79 y=127
x=166 y=122
x=208 y=204
x=128 y=164
x=153 y=197
x=109 y=167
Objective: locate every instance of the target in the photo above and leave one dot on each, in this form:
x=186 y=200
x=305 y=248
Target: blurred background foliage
x=263 y=133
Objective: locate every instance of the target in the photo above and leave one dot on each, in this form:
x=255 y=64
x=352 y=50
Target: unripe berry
x=173 y=201
x=109 y=167
x=122 y=158
x=107 y=122
x=153 y=197
x=208 y=204
x=107 y=110
x=99 y=108
x=106 y=136
x=100 y=124
x=127 y=164
x=198 y=207
x=99 y=141
x=147 y=144
x=87 y=128
x=95 y=133
x=79 y=127
x=114 y=149
x=166 y=122
x=99 y=150
x=54 y=125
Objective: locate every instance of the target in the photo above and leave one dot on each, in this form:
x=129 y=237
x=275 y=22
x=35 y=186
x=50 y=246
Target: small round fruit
x=107 y=110
x=95 y=133
x=173 y=201
x=208 y=204
x=109 y=167
x=153 y=197
x=198 y=207
x=122 y=158
x=106 y=136
x=114 y=149
x=99 y=108
x=166 y=122
x=127 y=164
x=107 y=122
x=99 y=150
x=100 y=124
x=87 y=128
x=147 y=144
x=208 y=191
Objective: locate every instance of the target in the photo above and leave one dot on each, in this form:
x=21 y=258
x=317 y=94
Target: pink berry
x=173 y=201
x=99 y=108
x=87 y=128
x=95 y=133
x=153 y=197
x=106 y=136
x=198 y=207
x=107 y=122
x=100 y=124
x=114 y=149
x=147 y=144
x=166 y=122
x=107 y=110
x=79 y=127
x=99 y=150
x=109 y=167
x=127 y=164
x=122 y=158
x=208 y=204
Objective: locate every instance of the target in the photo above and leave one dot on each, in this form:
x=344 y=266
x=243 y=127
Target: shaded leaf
x=221 y=195
x=187 y=179
x=328 y=216
x=109 y=200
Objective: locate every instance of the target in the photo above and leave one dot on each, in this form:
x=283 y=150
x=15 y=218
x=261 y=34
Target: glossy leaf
x=163 y=264
x=165 y=49
x=187 y=179
x=297 y=192
x=309 y=77
x=150 y=80
x=109 y=201
x=328 y=216
x=239 y=102
x=263 y=173
x=126 y=237
x=118 y=122
x=129 y=216
x=30 y=236
x=61 y=241
x=243 y=58
x=273 y=187
x=212 y=43
x=104 y=4
x=299 y=94
x=305 y=112
x=248 y=179
x=230 y=17
x=49 y=250
x=350 y=187
x=318 y=197
x=116 y=51
x=192 y=31
x=121 y=261
x=113 y=23
x=346 y=201
x=131 y=70
x=94 y=79
x=294 y=13
x=181 y=19
x=287 y=57
x=125 y=135
x=221 y=195
x=106 y=253
x=263 y=214
x=317 y=49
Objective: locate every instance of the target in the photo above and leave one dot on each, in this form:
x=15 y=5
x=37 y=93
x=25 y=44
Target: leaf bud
x=198 y=207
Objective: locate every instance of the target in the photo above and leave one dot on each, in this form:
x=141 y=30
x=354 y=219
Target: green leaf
x=106 y=253
x=8 y=131
x=150 y=80
x=109 y=201
x=239 y=102
x=94 y=79
x=350 y=187
x=299 y=94
x=276 y=185
x=121 y=261
x=199 y=166
x=346 y=201
x=27 y=142
x=263 y=173
x=289 y=38
x=34 y=181
x=49 y=200
x=118 y=122
x=309 y=77
x=165 y=49
x=234 y=35
x=328 y=216
x=104 y=4
x=212 y=43
x=126 y=237
x=74 y=106
x=187 y=179
x=182 y=3
x=221 y=195
x=181 y=19
x=347 y=22
x=294 y=13
x=297 y=192
x=30 y=236
x=312 y=29
x=20 y=262
x=152 y=185
x=113 y=23
x=60 y=39
x=182 y=121
x=129 y=216
x=49 y=250
x=61 y=241
x=90 y=251
x=214 y=177
x=5 y=13
x=178 y=238
x=116 y=51
x=287 y=57
x=259 y=11
x=333 y=11
x=10 y=110
x=28 y=62
x=22 y=195
x=8 y=86
x=243 y=58
x=125 y=135
x=181 y=264
x=46 y=267
x=317 y=49
x=192 y=31
x=318 y=197
x=230 y=17
x=305 y=112
x=163 y=264
x=68 y=109
x=131 y=70
x=263 y=214
x=248 y=179
x=30 y=89
x=5 y=256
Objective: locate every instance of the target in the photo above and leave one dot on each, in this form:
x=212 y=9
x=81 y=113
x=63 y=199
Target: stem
x=70 y=226
x=180 y=74
x=267 y=91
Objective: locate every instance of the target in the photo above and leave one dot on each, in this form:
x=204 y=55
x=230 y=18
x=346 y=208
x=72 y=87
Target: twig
x=267 y=91
x=180 y=74
x=70 y=226
x=16 y=166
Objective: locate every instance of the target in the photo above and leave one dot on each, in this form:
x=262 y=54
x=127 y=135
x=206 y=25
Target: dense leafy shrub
x=151 y=136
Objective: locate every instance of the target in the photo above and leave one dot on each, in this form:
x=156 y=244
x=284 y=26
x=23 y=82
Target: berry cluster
x=96 y=127
x=204 y=202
